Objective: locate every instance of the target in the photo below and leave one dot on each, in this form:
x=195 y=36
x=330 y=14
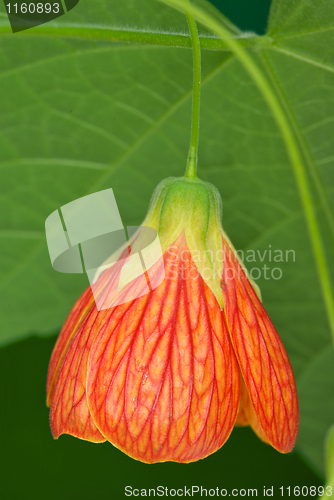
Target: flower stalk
x=191 y=170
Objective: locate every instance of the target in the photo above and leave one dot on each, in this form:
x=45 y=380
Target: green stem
x=127 y=36
x=191 y=169
x=291 y=147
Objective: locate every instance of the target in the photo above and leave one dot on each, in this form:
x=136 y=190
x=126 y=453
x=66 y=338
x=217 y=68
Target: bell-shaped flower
x=165 y=371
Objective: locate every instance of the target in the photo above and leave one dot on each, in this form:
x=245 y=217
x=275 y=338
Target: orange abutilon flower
x=166 y=376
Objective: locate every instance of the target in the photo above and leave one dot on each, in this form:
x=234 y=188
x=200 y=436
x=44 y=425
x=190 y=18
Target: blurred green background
x=34 y=466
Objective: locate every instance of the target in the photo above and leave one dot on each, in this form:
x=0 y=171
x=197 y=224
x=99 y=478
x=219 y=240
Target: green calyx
x=193 y=207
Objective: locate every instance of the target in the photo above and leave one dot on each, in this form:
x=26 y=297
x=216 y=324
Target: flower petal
x=74 y=320
x=262 y=359
x=66 y=387
x=163 y=381
x=69 y=412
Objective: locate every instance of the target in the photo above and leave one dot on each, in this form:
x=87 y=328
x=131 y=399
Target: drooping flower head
x=166 y=376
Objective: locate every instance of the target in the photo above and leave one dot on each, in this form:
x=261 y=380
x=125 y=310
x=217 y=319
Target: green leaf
x=304 y=30
x=81 y=114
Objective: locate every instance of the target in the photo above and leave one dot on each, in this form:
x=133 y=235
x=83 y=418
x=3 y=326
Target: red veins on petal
x=69 y=412
x=70 y=327
x=262 y=359
x=162 y=379
x=66 y=385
